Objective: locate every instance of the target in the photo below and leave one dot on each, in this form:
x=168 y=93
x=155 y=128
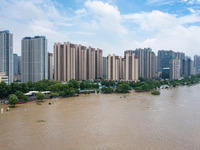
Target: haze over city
x=111 y=25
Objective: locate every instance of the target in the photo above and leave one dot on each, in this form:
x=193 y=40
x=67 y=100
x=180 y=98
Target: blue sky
x=112 y=25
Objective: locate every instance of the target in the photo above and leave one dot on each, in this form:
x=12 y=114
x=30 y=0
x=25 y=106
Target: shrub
x=155 y=92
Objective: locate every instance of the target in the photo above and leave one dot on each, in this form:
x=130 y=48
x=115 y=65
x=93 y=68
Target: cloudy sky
x=112 y=25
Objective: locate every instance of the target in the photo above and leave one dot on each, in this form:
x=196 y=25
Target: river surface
x=134 y=121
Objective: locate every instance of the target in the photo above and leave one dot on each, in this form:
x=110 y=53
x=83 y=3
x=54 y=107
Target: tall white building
x=6 y=54
x=34 y=59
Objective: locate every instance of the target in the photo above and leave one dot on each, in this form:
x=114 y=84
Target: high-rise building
x=34 y=59
x=131 y=67
x=50 y=66
x=78 y=62
x=146 y=63
x=6 y=54
x=115 y=67
x=15 y=64
x=98 y=64
x=130 y=52
x=112 y=67
x=91 y=63
x=105 y=67
x=187 y=66
x=197 y=63
x=164 y=56
x=175 y=69
x=81 y=65
x=64 y=61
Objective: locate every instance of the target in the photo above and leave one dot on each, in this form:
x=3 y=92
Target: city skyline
x=111 y=25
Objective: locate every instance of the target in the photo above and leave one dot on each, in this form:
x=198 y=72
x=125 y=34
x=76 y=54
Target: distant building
x=146 y=63
x=3 y=77
x=6 y=54
x=131 y=67
x=34 y=59
x=50 y=66
x=187 y=67
x=105 y=67
x=113 y=66
x=175 y=69
x=197 y=63
x=15 y=64
x=164 y=57
x=98 y=63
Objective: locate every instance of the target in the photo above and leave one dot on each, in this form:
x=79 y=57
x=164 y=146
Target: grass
x=38 y=103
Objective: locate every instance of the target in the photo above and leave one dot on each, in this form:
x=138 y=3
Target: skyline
x=111 y=25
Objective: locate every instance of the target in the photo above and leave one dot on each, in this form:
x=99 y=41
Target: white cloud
x=191 y=1
x=80 y=11
x=108 y=16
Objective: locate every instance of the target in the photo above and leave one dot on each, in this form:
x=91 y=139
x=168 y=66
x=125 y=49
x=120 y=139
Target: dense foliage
x=40 y=96
x=106 y=89
x=123 y=87
x=12 y=99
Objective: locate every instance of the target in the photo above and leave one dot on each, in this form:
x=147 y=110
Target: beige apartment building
x=78 y=62
x=131 y=67
x=99 y=64
x=119 y=68
x=91 y=63
x=115 y=67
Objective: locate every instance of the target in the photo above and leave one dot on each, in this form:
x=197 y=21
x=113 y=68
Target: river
x=134 y=121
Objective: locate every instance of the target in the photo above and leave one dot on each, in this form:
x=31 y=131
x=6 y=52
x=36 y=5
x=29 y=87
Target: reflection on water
x=138 y=121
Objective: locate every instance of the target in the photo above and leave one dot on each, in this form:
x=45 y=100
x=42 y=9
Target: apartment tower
x=131 y=67
x=6 y=54
x=175 y=69
x=34 y=59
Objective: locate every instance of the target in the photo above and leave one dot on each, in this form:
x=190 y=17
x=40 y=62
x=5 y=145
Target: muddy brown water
x=134 y=121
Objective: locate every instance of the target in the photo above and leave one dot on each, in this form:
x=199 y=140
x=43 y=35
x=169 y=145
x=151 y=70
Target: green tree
x=82 y=86
x=30 y=85
x=74 y=83
x=123 y=88
x=40 y=96
x=106 y=89
x=53 y=94
x=21 y=95
x=12 y=99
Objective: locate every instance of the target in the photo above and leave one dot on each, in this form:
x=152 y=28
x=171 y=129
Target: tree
x=3 y=90
x=53 y=94
x=74 y=83
x=123 y=88
x=107 y=89
x=82 y=86
x=40 y=96
x=21 y=95
x=12 y=99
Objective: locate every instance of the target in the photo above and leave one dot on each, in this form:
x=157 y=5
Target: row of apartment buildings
x=73 y=61
x=78 y=62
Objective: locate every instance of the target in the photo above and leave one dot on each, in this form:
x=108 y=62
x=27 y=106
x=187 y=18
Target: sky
x=111 y=25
